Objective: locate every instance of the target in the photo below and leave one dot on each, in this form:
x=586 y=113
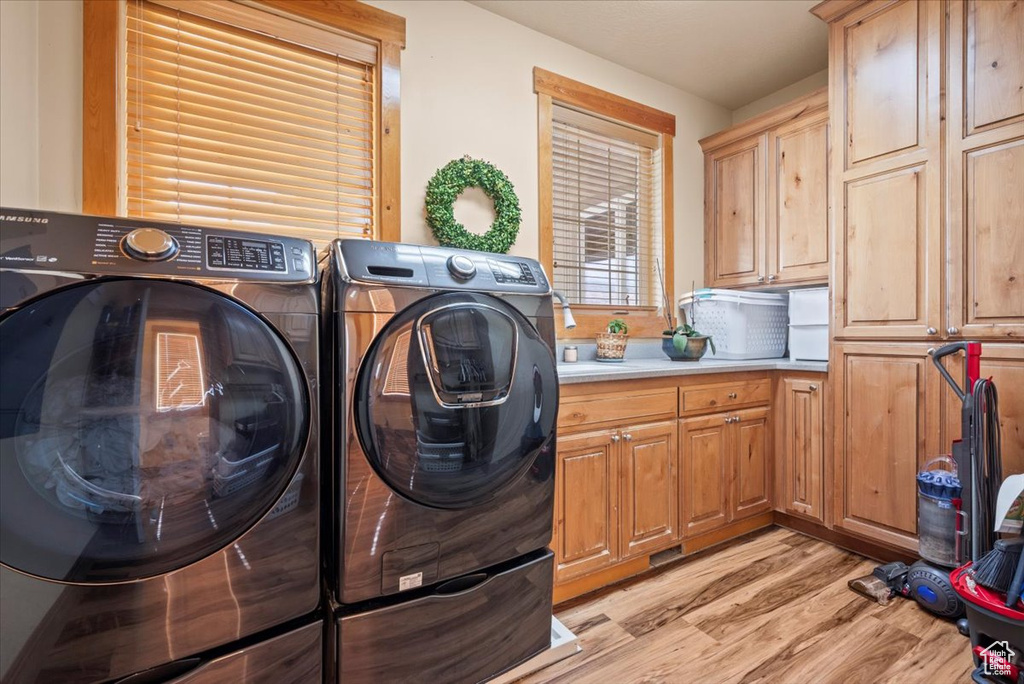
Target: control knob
x=461 y=267
x=150 y=244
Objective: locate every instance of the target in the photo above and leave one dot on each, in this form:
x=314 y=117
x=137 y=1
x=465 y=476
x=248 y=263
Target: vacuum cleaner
x=956 y=505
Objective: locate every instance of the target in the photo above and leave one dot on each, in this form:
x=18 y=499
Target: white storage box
x=808 y=307
x=743 y=325
x=808 y=342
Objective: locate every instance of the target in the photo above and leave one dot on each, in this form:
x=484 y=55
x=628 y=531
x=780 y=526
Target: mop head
x=995 y=569
x=882 y=584
x=873 y=588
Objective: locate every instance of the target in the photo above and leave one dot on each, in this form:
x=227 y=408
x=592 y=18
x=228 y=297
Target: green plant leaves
x=446 y=186
x=617 y=326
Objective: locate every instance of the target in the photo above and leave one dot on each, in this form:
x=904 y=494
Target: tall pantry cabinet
x=929 y=237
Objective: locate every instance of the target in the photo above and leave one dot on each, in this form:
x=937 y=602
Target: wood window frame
x=102 y=164
x=552 y=88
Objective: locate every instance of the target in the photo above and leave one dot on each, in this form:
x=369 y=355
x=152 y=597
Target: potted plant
x=611 y=344
x=685 y=343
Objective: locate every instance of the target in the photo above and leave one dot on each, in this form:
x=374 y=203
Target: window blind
x=606 y=192
x=235 y=128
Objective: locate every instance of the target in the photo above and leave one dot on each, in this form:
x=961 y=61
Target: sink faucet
x=570 y=322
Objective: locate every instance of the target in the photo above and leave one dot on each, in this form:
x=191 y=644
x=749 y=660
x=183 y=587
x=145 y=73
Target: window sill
x=590 y=320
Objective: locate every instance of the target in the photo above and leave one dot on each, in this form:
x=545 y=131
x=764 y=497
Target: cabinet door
x=734 y=181
x=985 y=170
x=586 y=520
x=797 y=224
x=648 y=495
x=886 y=427
x=802 y=447
x=1004 y=363
x=886 y=170
x=703 y=474
x=750 y=476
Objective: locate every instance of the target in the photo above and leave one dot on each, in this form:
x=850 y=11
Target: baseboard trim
x=872 y=549
x=601 y=578
x=730 y=531
x=625 y=574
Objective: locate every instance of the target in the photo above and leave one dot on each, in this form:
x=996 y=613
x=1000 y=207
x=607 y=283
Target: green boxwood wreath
x=446 y=186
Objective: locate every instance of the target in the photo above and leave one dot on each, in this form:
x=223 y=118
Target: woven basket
x=611 y=345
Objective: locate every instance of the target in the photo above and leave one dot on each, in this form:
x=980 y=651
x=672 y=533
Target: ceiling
x=730 y=52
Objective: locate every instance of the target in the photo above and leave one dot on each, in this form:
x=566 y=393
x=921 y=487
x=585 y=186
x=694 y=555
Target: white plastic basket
x=808 y=307
x=808 y=342
x=743 y=325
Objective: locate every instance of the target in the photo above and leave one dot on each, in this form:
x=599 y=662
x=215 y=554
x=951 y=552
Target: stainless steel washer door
x=455 y=399
x=144 y=425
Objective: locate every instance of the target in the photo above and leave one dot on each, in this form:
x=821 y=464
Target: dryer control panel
x=395 y=264
x=70 y=243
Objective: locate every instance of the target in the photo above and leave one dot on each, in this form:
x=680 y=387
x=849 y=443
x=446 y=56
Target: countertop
x=634 y=369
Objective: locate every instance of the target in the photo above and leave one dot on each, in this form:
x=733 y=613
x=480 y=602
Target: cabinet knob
x=814 y=388
x=760 y=278
x=628 y=437
x=953 y=330
x=931 y=330
x=615 y=439
x=772 y=278
x=732 y=395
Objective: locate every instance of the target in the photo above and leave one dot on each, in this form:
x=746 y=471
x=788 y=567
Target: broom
x=996 y=568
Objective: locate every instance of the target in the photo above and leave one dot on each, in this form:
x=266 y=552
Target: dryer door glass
x=144 y=425
x=455 y=399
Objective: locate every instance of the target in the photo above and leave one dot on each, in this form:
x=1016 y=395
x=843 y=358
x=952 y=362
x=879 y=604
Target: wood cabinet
x=586 y=504
x=800 y=450
x=886 y=170
x=703 y=473
x=615 y=497
x=797 y=224
x=903 y=270
x=927 y=171
x=985 y=169
x=725 y=469
x=648 y=491
x=766 y=198
x=886 y=398
x=735 y=211
x=751 y=477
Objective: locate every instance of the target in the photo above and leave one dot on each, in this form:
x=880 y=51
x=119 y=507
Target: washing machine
x=444 y=400
x=159 y=487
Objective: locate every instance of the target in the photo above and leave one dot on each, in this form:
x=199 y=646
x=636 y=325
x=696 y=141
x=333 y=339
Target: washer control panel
x=150 y=244
x=128 y=246
x=461 y=266
x=245 y=254
x=518 y=272
x=440 y=268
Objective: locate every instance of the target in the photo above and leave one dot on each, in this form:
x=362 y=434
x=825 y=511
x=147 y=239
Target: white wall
x=467 y=88
x=41 y=104
x=19 y=106
x=781 y=97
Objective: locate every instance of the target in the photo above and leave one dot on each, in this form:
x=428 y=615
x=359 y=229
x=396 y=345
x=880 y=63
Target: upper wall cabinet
x=885 y=78
x=766 y=198
x=797 y=234
x=930 y=243
x=985 y=172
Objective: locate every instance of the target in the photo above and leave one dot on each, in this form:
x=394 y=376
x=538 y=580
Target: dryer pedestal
x=467 y=630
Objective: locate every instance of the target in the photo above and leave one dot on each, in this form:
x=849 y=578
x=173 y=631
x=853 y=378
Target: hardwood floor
x=771 y=607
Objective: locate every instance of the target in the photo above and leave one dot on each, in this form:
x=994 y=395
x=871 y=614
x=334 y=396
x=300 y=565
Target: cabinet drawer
x=617 y=407
x=719 y=397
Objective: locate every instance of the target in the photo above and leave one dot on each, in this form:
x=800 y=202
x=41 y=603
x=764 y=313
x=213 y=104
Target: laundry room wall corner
x=41 y=107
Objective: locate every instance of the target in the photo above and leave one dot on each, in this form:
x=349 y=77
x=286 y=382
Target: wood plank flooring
x=770 y=607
